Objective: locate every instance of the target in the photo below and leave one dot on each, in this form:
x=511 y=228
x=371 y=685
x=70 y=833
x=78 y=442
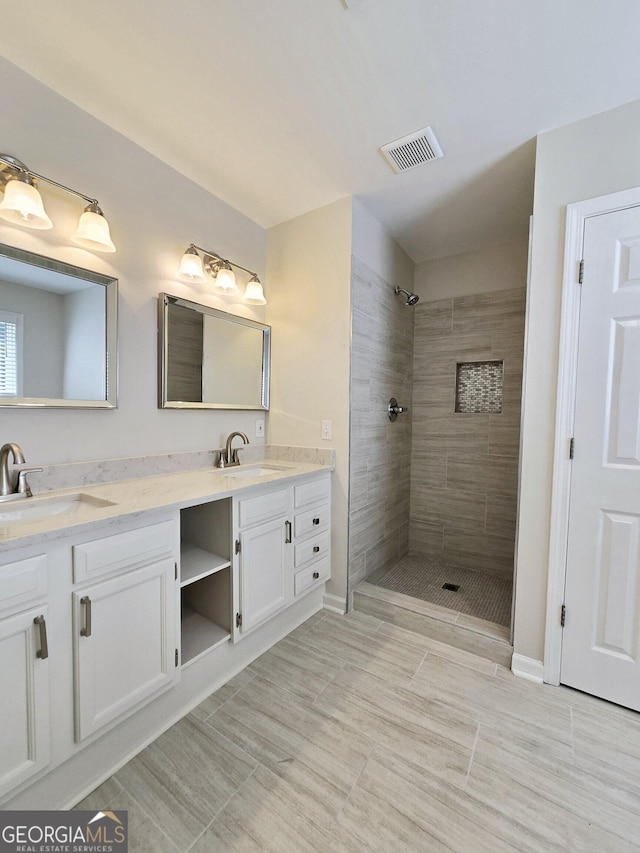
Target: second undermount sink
x=32 y=509
x=253 y=470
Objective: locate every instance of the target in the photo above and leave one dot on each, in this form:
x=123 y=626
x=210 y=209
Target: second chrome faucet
x=229 y=456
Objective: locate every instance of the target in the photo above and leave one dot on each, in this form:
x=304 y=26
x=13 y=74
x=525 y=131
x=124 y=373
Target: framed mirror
x=58 y=333
x=210 y=359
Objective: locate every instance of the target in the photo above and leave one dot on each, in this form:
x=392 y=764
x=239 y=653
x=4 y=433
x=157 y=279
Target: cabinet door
x=124 y=644
x=264 y=575
x=24 y=698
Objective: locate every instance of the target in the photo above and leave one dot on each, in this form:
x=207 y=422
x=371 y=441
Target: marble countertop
x=112 y=502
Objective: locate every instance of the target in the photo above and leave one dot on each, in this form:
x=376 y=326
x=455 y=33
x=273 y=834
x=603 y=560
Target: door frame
x=577 y=214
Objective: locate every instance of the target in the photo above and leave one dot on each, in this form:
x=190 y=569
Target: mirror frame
x=166 y=299
x=110 y=285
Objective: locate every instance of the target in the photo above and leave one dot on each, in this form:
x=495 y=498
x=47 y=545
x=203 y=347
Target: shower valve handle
x=394 y=409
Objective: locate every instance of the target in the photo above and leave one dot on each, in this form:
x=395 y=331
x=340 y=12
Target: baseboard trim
x=334 y=603
x=529 y=668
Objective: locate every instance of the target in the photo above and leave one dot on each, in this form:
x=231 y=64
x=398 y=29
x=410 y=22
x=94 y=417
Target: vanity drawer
x=313 y=549
x=317 y=573
x=315 y=491
x=23 y=581
x=313 y=520
x=262 y=507
x=113 y=554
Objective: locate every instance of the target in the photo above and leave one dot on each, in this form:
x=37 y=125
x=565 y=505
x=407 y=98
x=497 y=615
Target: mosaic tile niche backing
x=479 y=387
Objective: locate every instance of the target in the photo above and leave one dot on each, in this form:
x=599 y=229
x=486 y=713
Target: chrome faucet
x=6 y=486
x=229 y=456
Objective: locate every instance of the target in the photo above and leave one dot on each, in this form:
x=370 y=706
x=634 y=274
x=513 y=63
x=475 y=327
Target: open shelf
x=205 y=577
x=197 y=563
x=199 y=635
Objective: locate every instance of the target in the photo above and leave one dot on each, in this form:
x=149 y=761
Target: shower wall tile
x=441 y=505
x=425 y=537
x=494 y=475
x=464 y=466
x=489 y=311
x=501 y=516
x=435 y=318
x=481 y=551
x=380 y=451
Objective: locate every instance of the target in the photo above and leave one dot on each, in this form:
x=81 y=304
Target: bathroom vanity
x=124 y=605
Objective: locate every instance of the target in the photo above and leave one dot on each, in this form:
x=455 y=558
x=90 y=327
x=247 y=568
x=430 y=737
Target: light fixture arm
x=208 y=253
x=17 y=166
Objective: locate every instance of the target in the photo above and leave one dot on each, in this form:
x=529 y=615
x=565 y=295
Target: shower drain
x=452 y=587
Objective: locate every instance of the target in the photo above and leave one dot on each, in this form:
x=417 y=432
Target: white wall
x=374 y=246
x=309 y=263
x=590 y=158
x=154 y=213
x=488 y=270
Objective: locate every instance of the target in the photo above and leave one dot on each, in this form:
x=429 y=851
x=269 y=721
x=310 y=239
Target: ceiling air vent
x=412 y=150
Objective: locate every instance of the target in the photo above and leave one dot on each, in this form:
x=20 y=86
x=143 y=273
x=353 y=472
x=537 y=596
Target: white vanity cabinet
x=124 y=623
x=263 y=542
x=24 y=699
x=113 y=628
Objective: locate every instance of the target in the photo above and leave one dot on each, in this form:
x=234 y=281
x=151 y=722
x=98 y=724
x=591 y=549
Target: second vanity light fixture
x=197 y=263
x=22 y=205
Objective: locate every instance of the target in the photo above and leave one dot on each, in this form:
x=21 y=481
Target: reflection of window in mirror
x=11 y=361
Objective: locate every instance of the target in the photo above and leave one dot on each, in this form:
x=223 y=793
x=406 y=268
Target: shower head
x=411 y=297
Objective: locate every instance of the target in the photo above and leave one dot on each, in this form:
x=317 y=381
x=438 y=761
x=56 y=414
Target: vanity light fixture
x=22 y=205
x=197 y=263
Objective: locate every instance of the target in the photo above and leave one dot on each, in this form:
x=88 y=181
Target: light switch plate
x=327 y=430
x=260 y=428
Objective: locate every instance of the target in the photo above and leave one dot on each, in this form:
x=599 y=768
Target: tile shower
x=449 y=513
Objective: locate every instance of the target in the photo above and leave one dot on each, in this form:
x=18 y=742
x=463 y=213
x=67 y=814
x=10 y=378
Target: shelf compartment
x=199 y=635
x=197 y=563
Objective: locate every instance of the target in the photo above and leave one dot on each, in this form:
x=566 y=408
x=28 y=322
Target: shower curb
x=477 y=636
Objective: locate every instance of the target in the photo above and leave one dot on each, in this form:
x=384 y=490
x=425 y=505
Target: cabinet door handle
x=316 y=521
x=287 y=531
x=316 y=549
x=86 y=631
x=43 y=651
x=316 y=575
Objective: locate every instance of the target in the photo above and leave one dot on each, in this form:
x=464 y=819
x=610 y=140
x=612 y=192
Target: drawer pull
x=316 y=549
x=43 y=651
x=86 y=631
x=316 y=575
x=287 y=532
x=316 y=521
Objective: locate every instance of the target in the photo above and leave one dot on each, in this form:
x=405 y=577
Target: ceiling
x=280 y=106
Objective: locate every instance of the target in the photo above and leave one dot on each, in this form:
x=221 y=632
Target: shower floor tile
x=479 y=594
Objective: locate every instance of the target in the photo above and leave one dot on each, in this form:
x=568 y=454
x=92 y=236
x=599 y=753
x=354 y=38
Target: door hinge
x=238 y=546
x=238 y=620
x=572 y=447
x=581 y=272
x=176 y=657
x=563 y=615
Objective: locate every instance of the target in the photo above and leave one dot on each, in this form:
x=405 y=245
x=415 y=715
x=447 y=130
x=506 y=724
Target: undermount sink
x=32 y=509
x=252 y=470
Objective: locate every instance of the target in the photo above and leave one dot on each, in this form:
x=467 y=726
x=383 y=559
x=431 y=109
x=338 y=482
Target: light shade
x=225 y=279
x=254 y=294
x=191 y=267
x=22 y=205
x=93 y=231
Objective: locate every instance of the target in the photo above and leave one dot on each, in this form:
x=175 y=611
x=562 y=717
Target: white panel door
x=601 y=638
x=125 y=644
x=24 y=698
x=265 y=576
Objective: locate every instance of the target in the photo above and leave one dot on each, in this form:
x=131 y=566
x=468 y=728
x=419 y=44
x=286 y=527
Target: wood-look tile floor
x=355 y=735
